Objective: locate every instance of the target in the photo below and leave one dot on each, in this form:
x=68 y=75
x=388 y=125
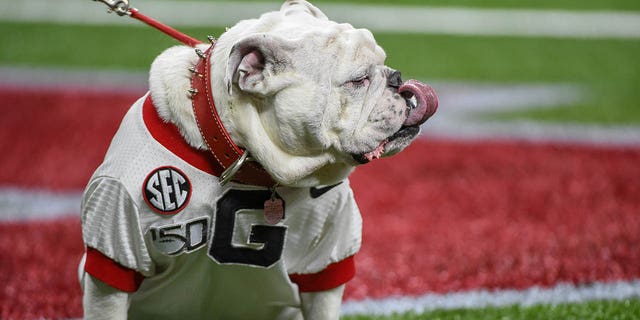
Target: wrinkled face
x=322 y=95
x=372 y=118
x=346 y=100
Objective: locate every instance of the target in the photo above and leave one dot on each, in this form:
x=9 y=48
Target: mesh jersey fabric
x=207 y=250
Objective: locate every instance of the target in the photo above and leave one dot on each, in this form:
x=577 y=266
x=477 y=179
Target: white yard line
x=462 y=105
x=18 y=204
x=60 y=78
x=531 y=131
x=559 y=294
x=383 y=18
x=24 y=205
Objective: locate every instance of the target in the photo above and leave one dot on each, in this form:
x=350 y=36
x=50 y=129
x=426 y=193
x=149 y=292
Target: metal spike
x=201 y=54
x=195 y=72
x=212 y=39
x=193 y=92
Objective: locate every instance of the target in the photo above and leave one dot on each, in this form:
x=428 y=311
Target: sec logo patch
x=166 y=190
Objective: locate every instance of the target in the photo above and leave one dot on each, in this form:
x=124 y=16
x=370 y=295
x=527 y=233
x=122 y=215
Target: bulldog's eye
x=362 y=81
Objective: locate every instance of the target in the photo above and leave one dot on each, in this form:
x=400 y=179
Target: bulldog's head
x=310 y=98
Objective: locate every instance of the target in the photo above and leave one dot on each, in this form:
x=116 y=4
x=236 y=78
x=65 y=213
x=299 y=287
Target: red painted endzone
x=441 y=216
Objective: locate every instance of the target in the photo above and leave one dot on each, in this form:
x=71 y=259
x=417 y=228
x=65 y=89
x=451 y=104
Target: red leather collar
x=223 y=151
x=168 y=135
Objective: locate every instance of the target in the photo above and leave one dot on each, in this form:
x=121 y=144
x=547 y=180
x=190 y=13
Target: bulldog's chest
x=183 y=212
x=229 y=226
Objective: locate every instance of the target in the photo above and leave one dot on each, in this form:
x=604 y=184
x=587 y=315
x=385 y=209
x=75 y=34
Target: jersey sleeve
x=328 y=260
x=334 y=275
x=116 y=251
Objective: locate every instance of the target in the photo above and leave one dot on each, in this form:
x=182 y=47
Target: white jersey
x=156 y=222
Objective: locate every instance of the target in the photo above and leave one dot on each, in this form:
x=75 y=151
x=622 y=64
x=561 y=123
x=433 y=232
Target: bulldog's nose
x=395 y=79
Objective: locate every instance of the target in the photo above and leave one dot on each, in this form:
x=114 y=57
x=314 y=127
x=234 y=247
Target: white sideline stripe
x=123 y=81
x=560 y=294
x=383 y=18
x=17 y=204
x=459 y=117
x=23 y=205
x=532 y=131
x=462 y=106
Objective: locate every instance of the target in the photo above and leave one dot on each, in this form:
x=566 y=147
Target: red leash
x=121 y=7
x=134 y=13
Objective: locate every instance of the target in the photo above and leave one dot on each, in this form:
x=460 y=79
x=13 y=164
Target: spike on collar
x=230 y=157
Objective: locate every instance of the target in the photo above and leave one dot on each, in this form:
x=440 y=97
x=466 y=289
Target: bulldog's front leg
x=323 y=305
x=101 y=301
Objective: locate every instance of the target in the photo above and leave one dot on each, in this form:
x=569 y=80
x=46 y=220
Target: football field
x=520 y=201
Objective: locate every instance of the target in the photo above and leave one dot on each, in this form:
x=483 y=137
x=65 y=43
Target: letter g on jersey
x=166 y=190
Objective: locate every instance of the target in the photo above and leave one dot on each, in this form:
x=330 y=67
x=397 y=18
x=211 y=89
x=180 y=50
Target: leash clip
x=121 y=7
x=230 y=172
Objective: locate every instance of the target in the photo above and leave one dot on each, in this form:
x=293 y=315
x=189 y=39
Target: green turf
x=494 y=59
x=607 y=69
x=537 y=4
x=73 y=46
x=596 y=310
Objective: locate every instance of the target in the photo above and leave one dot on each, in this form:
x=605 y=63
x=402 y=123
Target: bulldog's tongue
x=425 y=106
x=426 y=98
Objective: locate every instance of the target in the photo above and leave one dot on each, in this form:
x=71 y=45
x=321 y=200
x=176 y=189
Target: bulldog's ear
x=291 y=7
x=257 y=64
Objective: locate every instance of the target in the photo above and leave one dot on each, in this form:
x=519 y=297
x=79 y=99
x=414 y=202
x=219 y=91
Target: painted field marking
x=475 y=299
x=21 y=205
x=383 y=18
x=17 y=204
x=462 y=105
x=122 y=81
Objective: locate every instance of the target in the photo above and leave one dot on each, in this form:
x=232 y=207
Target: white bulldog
x=308 y=99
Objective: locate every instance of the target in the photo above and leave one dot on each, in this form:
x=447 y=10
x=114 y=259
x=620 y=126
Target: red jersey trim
x=335 y=275
x=110 y=272
x=168 y=135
